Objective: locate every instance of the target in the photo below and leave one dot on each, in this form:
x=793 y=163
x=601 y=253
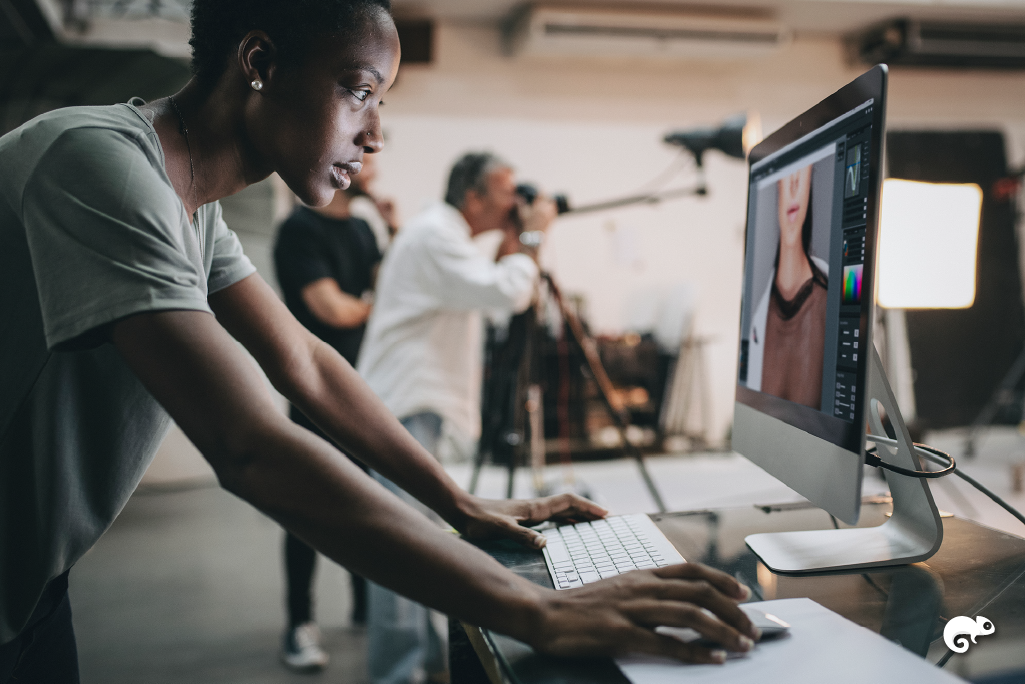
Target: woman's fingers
x=573 y=506
x=705 y=595
x=654 y=614
x=524 y=535
x=644 y=641
x=696 y=571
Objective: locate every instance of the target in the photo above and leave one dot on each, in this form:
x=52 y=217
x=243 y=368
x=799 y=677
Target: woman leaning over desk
x=121 y=290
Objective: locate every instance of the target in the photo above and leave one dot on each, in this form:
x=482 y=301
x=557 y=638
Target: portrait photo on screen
x=785 y=341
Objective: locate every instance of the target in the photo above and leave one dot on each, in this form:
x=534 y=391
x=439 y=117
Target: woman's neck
x=215 y=149
x=793 y=270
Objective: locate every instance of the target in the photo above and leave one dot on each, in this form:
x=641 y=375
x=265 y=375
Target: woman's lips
x=340 y=177
x=793 y=210
x=342 y=173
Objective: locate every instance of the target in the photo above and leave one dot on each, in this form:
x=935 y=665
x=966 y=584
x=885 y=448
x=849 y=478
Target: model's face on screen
x=794 y=191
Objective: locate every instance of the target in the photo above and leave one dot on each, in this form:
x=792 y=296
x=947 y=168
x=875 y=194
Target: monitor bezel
x=870 y=85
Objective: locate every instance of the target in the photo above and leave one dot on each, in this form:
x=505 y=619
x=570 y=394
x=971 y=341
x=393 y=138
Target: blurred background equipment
x=952 y=382
x=933 y=43
x=652 y=32
x=734 y=137
x=928 y=244
x=518 y=377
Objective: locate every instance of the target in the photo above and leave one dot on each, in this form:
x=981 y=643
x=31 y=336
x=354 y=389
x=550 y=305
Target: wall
x=593 y=130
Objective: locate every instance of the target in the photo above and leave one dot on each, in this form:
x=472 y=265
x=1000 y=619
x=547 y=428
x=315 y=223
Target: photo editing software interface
x=802 y=336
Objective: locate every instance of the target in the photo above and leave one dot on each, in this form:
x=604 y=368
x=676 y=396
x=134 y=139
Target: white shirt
x=423 y=346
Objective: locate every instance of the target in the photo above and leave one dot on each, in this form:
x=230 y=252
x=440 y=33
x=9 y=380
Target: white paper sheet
x=821 y=647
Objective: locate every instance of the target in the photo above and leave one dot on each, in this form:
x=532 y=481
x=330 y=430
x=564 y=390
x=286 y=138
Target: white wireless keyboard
x=587 y=552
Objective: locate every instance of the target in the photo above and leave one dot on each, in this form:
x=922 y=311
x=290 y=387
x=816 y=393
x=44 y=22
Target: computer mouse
x=772 y=628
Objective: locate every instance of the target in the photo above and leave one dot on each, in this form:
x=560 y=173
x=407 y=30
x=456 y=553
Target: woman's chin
x=319 y=196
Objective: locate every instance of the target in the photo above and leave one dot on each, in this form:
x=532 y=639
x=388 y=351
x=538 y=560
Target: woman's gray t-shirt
x=91 y=231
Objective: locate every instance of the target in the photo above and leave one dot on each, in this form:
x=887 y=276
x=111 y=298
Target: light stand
x=734 y=138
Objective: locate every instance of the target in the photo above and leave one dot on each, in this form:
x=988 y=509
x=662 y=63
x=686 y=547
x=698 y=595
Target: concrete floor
x=187 y=585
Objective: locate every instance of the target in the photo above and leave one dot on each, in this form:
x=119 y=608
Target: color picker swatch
x=852 y=284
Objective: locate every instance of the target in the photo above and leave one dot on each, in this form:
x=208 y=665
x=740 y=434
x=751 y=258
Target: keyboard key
x=588 y=577
x=558 y=553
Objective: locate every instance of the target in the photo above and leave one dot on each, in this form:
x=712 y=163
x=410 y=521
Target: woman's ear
x=257 y=56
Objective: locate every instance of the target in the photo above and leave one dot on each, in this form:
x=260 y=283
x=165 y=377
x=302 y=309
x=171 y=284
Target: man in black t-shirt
x=326 y=261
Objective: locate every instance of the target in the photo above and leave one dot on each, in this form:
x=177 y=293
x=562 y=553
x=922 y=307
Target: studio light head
x=735 y=137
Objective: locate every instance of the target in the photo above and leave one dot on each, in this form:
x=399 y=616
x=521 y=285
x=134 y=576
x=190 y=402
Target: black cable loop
x=930 y=453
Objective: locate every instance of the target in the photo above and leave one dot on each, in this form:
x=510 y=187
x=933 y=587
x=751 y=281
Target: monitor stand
x=913 y=532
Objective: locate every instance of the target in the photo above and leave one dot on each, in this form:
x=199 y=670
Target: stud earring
x=257 y=84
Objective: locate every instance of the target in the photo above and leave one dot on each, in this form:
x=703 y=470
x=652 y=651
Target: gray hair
x=471 y=173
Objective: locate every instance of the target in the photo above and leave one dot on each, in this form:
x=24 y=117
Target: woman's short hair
x=218 y=27
x=471 y=173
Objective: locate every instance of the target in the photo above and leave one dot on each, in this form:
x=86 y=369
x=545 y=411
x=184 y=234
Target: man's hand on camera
x=510 y=518
x=537 y=217
x=618 y=616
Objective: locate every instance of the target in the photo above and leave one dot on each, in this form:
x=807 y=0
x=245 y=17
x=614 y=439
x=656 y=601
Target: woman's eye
x=360 y=95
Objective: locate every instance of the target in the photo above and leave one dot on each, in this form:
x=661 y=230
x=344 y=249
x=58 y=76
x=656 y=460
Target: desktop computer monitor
x=806 y=352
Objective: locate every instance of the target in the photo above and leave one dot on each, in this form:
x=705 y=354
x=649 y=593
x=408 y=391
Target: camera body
x=529 y=193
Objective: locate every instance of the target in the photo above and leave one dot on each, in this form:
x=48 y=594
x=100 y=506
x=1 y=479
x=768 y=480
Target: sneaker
x=302 y=651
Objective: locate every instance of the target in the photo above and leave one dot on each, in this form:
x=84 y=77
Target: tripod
x=524 y=393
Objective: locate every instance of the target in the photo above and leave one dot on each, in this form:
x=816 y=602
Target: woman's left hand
x=511 y=518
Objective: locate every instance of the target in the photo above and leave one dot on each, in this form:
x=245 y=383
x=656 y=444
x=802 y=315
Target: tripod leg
x=478 y=463
x=512 y=476
x=652 y=489
x=590 y=349
x=995 y=403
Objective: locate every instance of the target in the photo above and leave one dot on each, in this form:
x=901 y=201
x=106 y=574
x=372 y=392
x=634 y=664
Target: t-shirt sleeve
x=104 y=233
x=229 y=264
x=300 y=256
x=371 y=250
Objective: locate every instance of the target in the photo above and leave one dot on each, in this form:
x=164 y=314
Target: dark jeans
x=301 y=562
x=45 y=651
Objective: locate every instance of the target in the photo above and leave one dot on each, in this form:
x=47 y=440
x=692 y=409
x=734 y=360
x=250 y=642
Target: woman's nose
x=371 y=138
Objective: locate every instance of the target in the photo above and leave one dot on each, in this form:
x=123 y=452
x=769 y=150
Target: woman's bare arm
x=198 y=373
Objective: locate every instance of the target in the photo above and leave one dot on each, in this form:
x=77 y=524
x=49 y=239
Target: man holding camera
x=422 y=353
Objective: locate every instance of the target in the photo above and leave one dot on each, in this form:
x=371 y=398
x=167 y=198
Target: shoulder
x=364 y=234
x=90 y=131
x=301 y=224
x=301 y=218
x=821 y=265
x=89 y=146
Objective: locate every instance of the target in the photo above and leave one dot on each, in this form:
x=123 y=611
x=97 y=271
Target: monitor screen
x=808 y=269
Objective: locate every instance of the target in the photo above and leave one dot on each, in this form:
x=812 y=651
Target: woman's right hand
x=618 y=616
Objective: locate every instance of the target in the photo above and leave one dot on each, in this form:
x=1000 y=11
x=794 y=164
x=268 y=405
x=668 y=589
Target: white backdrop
x=612 y=256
